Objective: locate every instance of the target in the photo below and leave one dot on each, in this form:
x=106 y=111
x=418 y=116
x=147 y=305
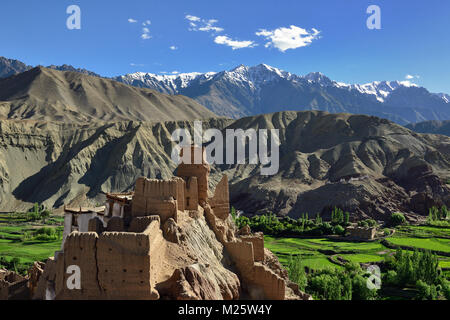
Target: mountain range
x=10 y=67
x=73 y=97
x=434 y=127
x=245 y=91
x=66 y=137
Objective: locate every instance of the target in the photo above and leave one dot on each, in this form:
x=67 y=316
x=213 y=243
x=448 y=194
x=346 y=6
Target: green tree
x=45 y=214
x=397 y=219
x=347 y=218
x=297 y=272
x=339 y=230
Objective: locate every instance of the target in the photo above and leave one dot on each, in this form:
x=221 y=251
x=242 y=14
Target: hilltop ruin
x=169 y=239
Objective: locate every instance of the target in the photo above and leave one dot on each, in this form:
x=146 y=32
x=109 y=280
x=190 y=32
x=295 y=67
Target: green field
x=435 y=244
x=308 y=249
x=28 y=252
x=15 y=241
x=313 y=256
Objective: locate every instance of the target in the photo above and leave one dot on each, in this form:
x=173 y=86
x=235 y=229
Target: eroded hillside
x=364 y=164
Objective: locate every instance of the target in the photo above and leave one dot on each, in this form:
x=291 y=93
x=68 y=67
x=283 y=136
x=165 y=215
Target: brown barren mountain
x=367 y=165
x=50 y=95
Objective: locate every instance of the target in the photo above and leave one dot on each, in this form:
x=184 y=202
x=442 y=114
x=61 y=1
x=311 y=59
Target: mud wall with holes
x=113 y=265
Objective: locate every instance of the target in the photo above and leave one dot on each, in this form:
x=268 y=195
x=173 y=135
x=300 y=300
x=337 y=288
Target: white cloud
x=208 y=28
x=192 y=18
x=411 y=77
x=137 y=64
x=199 y=24
x=170 y=73
x=146 y=33
x=234 y=44
x=289 y=38
x=173 y=48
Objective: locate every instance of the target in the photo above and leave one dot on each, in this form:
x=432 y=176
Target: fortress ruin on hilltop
x=169 y=239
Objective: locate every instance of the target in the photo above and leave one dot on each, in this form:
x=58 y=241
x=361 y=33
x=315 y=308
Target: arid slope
x=364 y=164
x=50 y=95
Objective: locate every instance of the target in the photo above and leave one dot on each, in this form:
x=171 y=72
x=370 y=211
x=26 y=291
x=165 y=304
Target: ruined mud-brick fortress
x=153 y=244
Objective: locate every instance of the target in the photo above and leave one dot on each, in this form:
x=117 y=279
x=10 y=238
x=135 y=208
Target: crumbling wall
x=115 y=224
x=220 y=202
x=80 y=249
x=200 y=171
x=34 y=274
x=158 y=197
x=191 y=193
x=165 y=209
x=46 y=279
x=259 y=281
x=140 y=224
x=13 y=286
x=273 y=287
x=123 y=261
x=114 y=265
x=257 y=240
x=241 y=253
x=246 y=251
x=157 y=250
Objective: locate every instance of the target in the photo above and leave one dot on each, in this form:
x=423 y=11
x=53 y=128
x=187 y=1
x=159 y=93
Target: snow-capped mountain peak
x=444 y=96
x=253 y=78
x=318 y=78
x=380 y=89
x=167 y=83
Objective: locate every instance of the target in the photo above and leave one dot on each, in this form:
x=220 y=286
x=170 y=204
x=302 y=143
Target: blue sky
x=414 y=39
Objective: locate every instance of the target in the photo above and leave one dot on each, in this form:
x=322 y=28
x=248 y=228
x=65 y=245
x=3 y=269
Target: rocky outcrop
x=195 y=282
x=171 y=231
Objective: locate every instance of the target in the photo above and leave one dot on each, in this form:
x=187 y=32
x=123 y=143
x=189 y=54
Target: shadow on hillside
x=47 y=182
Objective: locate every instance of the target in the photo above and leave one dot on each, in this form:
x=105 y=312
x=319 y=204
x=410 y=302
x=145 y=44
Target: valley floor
x=20 y=244
x=322 y=253
x=313 y=250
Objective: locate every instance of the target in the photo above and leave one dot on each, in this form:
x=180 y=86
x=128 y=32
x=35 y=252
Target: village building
x=361 y=233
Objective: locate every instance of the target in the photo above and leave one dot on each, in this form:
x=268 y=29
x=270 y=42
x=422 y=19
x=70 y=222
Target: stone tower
x=200 y=171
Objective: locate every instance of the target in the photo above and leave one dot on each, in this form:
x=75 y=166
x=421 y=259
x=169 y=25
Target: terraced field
x=428 y=243
x=317 y=253
x=14 y=245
